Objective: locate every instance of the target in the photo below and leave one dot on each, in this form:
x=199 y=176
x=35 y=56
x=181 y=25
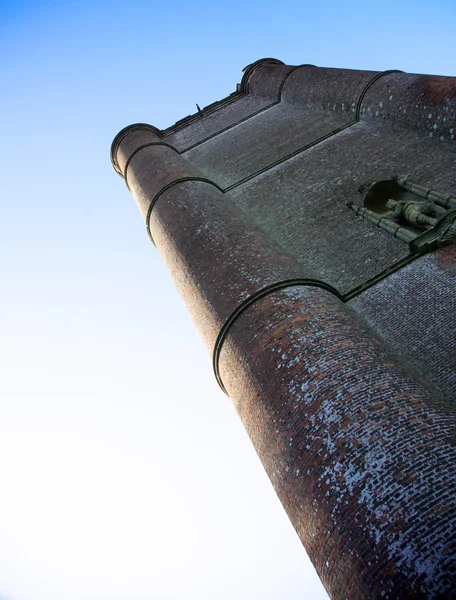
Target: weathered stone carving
x=425 y=223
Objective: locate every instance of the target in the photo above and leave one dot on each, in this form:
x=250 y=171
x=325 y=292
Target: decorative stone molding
x=426 y=222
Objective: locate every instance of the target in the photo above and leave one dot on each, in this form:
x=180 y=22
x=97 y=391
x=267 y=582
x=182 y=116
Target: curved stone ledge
x=274 y=287
x=154 y=168
x=128 y=139
x=249 y=70
x=335 y=90
x=265 y=79
x=292 y=70
x=167 y=187
x=135 y=152
x=217 y=257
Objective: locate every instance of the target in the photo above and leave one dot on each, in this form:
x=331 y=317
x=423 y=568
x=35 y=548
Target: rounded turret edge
x=292 y=70
x=123 y=134
x=326 y=88
x=250 y=69
x=258 y=295
x=369 y=85
x=167 y=187
x=415 y=102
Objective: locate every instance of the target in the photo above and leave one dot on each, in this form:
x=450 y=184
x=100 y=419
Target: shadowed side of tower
x=331 y=324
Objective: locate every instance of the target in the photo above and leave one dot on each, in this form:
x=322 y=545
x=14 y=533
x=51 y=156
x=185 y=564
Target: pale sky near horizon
x=125 y=472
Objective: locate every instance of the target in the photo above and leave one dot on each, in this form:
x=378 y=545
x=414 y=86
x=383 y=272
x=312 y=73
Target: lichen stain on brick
x=370 y=450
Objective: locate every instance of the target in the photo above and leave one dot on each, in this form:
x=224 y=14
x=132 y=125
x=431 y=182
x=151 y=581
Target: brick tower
x=309 y=223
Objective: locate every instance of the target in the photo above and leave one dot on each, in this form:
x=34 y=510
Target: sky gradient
x=125 y=471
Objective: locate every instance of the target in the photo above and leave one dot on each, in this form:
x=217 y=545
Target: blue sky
x=126 y=471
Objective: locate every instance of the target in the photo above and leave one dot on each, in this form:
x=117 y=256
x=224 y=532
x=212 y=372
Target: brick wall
x=346 y=402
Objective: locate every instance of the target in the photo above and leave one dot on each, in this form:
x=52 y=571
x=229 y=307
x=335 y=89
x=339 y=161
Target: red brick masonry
x=348 y=404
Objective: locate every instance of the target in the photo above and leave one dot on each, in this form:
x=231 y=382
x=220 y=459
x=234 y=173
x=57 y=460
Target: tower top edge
x=251 y=68
x=425 y=89
x=123 y=134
